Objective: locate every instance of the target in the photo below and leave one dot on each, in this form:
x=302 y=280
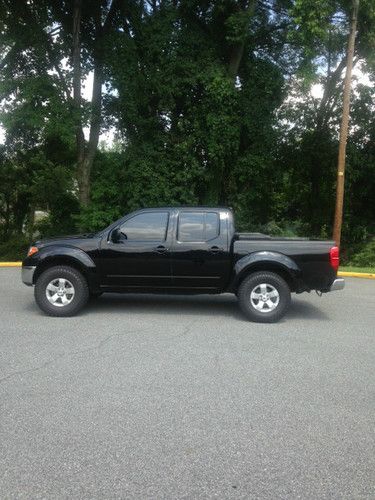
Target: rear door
x=200 y=257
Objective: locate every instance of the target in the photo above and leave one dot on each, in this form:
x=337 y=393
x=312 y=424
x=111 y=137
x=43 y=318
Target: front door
x=141 y=258
x=200 y=257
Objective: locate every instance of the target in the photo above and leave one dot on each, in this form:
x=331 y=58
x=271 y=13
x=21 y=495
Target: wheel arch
x=83 y=264
x=280 y=264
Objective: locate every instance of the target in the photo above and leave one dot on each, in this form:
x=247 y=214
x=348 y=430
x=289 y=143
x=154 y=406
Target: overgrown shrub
x=285 y=229
x=365 y=257
x=14 y=249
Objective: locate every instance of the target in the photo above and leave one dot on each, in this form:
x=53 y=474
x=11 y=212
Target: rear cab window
x=198 y=226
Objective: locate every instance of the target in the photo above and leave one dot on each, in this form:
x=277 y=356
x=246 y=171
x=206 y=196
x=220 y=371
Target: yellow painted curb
x=10 y=264
x=348 y=274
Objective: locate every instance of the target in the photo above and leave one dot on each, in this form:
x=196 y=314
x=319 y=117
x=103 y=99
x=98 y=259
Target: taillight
x=334 y=257
x=32 y=250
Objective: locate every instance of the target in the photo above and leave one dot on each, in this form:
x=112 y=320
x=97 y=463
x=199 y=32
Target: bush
x=14 y=249
x=365 y=257
x=285 y=229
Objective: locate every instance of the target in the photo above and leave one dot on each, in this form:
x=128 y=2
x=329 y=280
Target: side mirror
x=117 y=235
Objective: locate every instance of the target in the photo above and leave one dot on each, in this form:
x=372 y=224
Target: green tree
x=210 y=102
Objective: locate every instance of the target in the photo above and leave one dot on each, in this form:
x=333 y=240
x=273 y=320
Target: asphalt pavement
x=171 y=397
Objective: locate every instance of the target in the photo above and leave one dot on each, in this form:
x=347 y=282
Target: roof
x=185 y=207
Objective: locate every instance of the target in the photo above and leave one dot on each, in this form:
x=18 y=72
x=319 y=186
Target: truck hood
x=69 y=239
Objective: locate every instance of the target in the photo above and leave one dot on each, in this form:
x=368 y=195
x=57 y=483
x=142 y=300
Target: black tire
x=77 y=301
x=268 y=314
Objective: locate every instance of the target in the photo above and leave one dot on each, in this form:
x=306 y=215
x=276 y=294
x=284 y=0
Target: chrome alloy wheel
x=264 y=298
x=60 y=292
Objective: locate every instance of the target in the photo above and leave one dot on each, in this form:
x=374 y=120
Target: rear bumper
x=27 y=274
x=338 y=284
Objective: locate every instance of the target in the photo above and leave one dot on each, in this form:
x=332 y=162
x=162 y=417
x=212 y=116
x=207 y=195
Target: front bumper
x=338 y=284
x=27 y=274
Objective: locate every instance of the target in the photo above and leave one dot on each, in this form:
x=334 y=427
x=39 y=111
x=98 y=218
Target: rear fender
x=270 y=261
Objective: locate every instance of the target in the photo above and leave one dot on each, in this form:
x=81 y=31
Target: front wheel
x=264 y=297
x=61 y=291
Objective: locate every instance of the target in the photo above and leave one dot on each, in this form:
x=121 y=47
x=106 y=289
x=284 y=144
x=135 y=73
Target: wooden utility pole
x=344 y=126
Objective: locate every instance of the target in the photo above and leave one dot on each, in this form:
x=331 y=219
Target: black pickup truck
x=180 y=250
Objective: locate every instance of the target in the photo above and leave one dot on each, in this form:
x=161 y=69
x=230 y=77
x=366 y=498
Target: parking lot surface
x=181 y=397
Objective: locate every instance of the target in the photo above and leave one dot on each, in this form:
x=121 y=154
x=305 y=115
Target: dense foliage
x=207 y=102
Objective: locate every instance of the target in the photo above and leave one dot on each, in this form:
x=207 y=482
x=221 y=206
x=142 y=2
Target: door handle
x=161 y=249
x=215 y=249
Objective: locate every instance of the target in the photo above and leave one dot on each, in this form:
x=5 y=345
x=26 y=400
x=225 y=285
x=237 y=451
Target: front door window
x=149 y=226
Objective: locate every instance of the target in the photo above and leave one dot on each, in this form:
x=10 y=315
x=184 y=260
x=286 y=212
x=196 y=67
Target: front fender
x=264 y=260
x=54 y=252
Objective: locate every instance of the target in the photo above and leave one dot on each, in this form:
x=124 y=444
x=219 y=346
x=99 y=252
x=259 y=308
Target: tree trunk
x=80 y=139
x=85 y=166
x=86 y=153
x=31 y=222
x=331 y=84
x=235 y=59
x=237 y=50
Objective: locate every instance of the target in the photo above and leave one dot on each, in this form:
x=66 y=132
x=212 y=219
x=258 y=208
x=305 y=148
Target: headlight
x=32 y=250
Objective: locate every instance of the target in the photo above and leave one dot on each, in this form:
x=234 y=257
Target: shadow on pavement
x=301 y=309
x=209 y=305
x=220 y=305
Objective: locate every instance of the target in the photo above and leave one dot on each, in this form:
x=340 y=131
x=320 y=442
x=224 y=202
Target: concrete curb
x=343 y=274
x=349 y=274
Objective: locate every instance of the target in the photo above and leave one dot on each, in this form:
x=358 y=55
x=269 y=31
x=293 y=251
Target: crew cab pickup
x=180 y=250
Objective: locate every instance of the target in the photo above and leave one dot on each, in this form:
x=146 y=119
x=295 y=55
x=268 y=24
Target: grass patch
x=352 y=269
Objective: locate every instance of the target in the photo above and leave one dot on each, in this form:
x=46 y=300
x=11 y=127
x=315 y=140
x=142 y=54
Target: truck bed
x=261 y=236
x=311 y=256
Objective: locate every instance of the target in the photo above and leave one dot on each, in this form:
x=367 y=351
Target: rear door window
x=197 y=226
x=211 y=225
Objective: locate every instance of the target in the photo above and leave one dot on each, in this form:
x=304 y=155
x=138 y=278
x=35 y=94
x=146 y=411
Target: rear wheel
x=264 y=297
x=61 y=291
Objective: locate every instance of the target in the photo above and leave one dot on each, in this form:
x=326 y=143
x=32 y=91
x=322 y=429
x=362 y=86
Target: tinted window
x=198 y=226
x=212 y=225
x=147 y=226
x=191 y=226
